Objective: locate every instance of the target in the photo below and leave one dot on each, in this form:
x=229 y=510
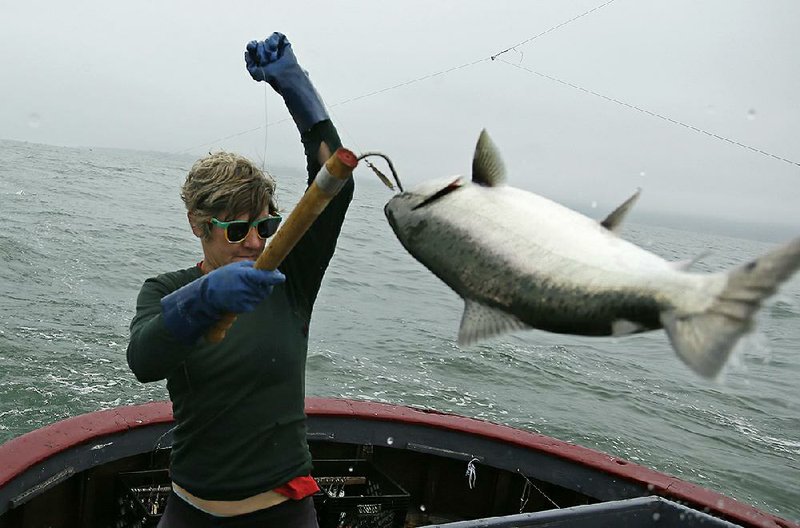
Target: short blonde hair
x=226 y=185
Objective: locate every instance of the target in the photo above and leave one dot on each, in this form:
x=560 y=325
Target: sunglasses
x=237 y=230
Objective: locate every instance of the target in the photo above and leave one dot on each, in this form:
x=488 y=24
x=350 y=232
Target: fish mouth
x=388 y=210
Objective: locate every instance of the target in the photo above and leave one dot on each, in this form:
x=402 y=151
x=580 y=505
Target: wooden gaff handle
x=330 y=179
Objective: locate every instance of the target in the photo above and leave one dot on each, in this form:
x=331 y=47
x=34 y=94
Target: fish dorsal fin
x=614 y=220
x=480 y=322
x=487 y=166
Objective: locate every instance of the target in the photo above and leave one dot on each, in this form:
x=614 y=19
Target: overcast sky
x=170 y=76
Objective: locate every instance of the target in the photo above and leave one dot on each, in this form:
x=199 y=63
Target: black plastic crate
x=357 y=495
x=142 y=497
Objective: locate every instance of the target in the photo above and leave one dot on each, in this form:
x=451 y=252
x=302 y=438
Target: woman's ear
x=197 y=229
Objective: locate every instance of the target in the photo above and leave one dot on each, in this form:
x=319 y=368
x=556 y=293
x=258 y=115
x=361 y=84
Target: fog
x=696 y=103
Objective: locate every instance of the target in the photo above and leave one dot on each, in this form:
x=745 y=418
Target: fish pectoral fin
x=487 y=165
x=614 y=220
x=480 y=322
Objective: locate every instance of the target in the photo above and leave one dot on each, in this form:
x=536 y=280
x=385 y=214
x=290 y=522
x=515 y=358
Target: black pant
x=288 y=514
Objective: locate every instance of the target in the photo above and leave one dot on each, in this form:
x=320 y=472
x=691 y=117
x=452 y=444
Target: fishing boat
x=378 y=465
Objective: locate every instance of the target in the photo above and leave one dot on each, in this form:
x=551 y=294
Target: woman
x=240 y=456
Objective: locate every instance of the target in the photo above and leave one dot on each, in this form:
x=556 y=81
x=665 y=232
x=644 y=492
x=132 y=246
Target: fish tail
x=704 y=340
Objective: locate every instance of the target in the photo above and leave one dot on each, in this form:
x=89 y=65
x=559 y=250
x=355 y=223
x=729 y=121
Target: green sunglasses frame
x=250 y=225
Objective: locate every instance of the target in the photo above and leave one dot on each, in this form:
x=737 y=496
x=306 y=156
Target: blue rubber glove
x=272 y=60
x=189 y=311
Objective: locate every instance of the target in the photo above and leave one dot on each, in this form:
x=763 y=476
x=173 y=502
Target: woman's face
x=217 y=251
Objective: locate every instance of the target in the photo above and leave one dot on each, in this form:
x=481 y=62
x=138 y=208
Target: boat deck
x=433 y=469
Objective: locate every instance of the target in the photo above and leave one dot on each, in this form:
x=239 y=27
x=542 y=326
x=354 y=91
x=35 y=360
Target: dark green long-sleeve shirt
x=239 y=404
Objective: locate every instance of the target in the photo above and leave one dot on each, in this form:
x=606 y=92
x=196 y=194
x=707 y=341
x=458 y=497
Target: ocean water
x=82 y=228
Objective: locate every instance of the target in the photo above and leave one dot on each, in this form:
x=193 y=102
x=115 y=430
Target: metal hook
x=380 y=175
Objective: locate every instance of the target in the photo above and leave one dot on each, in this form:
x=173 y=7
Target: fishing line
x=364 y=155
x=473 y=63
x=238 y=134
x=412 y=81
x=573 y=19
x=266 y=129
x=157 y=445
x=526 y=493
x=339 y=123
x=416 y=80
x=654 y=114
x=495 y=57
